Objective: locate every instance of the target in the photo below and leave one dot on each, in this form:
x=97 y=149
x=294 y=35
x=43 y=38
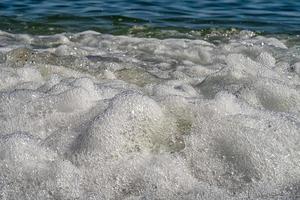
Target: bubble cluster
x=95 y=116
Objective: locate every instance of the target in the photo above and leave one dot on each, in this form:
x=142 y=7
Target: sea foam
x=95 y=116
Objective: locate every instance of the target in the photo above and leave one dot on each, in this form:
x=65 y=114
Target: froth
x=94 y=116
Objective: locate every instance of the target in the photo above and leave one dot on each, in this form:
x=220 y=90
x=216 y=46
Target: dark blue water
x=119 y=16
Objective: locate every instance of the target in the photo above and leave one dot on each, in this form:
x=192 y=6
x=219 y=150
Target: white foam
x=132 y=122
x=94 y=116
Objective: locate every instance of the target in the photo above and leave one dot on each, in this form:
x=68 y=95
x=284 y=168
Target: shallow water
x=118 y=16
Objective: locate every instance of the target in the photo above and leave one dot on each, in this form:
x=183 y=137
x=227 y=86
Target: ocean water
x=148 y=100
x=118 y=16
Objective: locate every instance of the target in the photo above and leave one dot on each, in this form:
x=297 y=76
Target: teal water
x=125 y=16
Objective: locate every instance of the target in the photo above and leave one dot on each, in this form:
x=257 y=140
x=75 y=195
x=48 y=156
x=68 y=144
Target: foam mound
x=95 y=116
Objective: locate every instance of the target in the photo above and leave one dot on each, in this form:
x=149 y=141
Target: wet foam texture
x=92 y=116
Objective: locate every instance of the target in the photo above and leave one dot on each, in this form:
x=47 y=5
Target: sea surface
x=119 y=16
x=148 y=100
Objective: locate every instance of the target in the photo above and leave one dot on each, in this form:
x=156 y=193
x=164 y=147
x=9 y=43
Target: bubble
x=97 y=116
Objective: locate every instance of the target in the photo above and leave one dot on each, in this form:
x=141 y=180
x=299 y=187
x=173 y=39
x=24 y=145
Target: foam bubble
x=27 y=164
x=132 y=122
x=94 y=116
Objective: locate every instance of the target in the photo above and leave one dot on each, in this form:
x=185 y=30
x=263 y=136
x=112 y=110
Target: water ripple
x=77 y=15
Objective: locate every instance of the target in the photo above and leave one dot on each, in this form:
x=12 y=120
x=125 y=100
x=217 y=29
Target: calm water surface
x=119 y=16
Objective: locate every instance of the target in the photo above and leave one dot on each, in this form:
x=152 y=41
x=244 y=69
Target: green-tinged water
x=149 y=18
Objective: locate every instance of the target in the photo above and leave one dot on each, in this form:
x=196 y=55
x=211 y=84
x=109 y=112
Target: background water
x=119 y=16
